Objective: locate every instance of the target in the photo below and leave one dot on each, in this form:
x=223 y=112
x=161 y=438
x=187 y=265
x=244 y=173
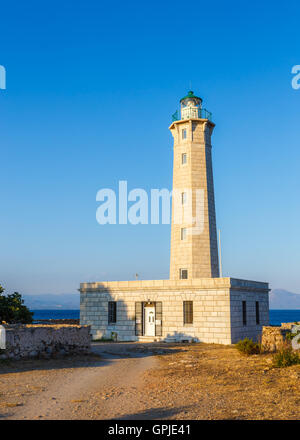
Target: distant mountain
x=52 y=301
x=282 y=299
x=279 y=299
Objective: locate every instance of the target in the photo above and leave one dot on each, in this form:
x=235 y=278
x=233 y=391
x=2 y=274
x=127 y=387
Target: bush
x=286 y=357
x=248 y=347
x=13 y=310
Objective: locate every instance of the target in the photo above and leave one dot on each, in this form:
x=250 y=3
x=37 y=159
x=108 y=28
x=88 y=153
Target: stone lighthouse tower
x=194 y=251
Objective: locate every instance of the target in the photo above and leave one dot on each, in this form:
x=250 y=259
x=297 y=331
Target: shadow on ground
x=123 y=350
x=102 y=354
x=155 y=413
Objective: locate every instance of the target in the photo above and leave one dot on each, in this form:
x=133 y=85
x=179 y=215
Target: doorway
x=149 y=320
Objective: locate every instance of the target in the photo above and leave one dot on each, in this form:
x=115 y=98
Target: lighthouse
x=194 y=249
x=195 y=304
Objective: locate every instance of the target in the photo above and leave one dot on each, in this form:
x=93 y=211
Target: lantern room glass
x=191 y=107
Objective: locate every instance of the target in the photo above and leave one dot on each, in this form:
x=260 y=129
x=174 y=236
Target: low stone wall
x=57 y=321
x=273 y=338
x=45 y=340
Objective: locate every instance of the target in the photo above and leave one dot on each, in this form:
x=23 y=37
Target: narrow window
x=257 y=313
x=183 y=198
x=183 y=273
x=188 y=312
x=183 y=158
x=184 y=133
x=244 y=313
x=112 y=312
x=183 y=233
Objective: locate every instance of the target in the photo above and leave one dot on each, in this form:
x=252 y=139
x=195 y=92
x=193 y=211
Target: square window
x=183 y=233
x=183 y=273
x=184 y=158
x=183 y=133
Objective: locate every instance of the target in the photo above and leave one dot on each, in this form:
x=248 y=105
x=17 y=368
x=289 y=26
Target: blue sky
x=91 y=87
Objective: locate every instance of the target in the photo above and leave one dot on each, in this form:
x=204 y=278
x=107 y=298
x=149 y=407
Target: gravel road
x=92 y=387
x=150 y=381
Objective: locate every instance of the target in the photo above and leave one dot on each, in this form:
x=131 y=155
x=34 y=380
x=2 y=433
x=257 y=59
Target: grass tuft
x=285 y=357
x=248 y=346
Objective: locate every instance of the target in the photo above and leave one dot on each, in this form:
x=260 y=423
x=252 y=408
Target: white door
x=149 y=321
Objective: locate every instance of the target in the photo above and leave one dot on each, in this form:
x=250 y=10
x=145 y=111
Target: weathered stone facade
x=24 y=341
x=197 y=253
x=217 y=308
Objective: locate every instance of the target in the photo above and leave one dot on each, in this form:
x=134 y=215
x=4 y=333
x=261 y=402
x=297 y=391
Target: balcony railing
x=192 y=113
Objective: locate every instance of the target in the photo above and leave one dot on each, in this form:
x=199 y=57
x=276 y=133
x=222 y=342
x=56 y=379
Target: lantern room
x=190 y=106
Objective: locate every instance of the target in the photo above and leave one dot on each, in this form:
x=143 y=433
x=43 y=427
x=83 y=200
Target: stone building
x=195 y=303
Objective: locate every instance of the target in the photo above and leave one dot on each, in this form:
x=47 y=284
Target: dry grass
x=220 y=383
x=196 y=381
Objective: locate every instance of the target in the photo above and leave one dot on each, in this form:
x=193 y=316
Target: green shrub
x=285 y=357
x=248 y=347
x=13 y=310
x=289 y=336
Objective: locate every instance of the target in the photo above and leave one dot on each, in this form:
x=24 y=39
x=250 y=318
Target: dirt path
x=151 y=381
x=107 y=387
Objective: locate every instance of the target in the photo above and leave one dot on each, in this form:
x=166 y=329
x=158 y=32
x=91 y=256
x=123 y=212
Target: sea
x=276 y=316
x=55 y=314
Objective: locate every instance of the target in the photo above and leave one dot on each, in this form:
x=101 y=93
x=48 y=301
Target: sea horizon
x=277 y=316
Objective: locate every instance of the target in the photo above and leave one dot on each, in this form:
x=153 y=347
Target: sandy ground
x=150 y=381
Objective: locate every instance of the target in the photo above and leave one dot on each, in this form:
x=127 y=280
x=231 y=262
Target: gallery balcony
x=192 y=113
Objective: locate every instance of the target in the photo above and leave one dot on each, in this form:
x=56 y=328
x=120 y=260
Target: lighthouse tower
x=194 y=249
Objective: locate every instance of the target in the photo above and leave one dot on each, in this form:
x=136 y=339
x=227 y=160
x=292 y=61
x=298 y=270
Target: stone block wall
x=211 y=314
x=251 y=330
x=217 y=308
x=45 y=340
x=198 y=253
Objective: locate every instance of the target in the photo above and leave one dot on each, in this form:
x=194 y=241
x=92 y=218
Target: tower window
x=183 y=233
x=112 y=312
x=257 y=312
x=183 y=274
x=244 y=313
x=183 y=198
x=184 y=158
x=183 y=133
x=188 y=312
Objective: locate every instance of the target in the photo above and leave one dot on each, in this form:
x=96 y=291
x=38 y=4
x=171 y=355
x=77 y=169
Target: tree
x=13 y=310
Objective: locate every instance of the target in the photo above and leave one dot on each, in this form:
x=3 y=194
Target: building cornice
x=181 y=121
x=175 y=285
